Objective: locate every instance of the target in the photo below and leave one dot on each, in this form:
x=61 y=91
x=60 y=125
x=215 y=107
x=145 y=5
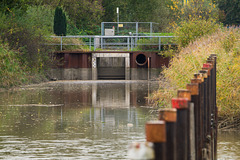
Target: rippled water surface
x=229 y=145
x=81 y=120
x=73 y=119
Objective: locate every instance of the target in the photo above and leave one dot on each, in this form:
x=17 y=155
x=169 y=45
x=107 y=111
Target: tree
x=60 y=23
x=137 y=11
x=231 y=11
x=86 y=14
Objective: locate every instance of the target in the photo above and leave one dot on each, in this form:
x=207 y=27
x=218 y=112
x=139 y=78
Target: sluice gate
x=95 y=65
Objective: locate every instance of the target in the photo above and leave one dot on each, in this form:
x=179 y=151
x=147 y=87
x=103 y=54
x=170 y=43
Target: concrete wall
x=86 y=74
x=144 y=73
x=71 y=74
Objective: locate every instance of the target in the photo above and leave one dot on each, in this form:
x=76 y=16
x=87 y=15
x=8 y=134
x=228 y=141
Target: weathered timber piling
x=170 y=117
x=194 y=87
x=181 y=104
x=190 y=131
x=193 y=136
x=156 y=133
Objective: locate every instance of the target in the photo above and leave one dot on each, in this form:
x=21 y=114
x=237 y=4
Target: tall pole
x=118 y=20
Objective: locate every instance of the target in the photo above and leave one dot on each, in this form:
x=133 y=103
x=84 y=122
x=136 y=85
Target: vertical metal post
x=136 y=28
x=131 y=43
x=94 y=43
x=90 y=43
x=159 y=43
x=101 y=42
x=102 y=28
x=148 y=62
x=151 y=28
x=136 y=32
x=118 y=20
x=128 y=43
x=61 y=43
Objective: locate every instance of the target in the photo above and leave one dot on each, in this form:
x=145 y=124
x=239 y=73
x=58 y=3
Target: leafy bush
x=189 y=31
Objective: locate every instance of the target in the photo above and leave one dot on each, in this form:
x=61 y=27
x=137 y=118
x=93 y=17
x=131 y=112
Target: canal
x=81 y=120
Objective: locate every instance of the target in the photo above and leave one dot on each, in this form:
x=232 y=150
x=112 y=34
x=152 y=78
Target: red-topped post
x=181 y=104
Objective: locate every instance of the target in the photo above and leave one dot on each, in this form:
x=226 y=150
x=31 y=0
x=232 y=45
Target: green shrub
x=189 y=31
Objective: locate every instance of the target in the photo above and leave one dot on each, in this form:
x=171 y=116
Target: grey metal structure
x=134 y=25
x=113 y=42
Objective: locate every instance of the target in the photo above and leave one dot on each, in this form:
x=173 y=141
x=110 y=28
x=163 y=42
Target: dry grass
x=226 y=44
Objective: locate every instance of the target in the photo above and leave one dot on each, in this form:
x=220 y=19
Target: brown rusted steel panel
x=74 y=61
x=82 y=59
x=133 y=64
x=66 y=60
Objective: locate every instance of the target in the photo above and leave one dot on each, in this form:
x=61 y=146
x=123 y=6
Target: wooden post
x=170 y=117
x=182 y=130
x=212 y=60
x=215 y=104
x=185 y=93
x=204 y=103
x=209 y=66
x=194 y=88
x=156 y=133
x=197 y=112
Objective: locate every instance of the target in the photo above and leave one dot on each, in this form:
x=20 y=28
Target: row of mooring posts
x=188 y=131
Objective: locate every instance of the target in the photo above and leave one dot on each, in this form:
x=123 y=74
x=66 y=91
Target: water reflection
x=81 y=120
x=73 y=119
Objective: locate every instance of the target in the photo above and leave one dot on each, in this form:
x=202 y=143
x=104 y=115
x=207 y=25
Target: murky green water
x=229 y=145
x=73 y=119
x=81 y=120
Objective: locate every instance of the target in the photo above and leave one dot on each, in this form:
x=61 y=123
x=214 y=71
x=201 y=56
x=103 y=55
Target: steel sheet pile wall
x=189 y=129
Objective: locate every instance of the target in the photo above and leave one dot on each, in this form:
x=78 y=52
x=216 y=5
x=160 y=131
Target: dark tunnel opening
x=141 y=59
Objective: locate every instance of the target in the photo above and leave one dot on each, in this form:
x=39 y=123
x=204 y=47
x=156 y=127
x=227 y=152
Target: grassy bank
x=14 y=71
x=226 y=44
x=11 y=72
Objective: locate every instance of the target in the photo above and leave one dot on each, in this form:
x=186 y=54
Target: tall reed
x=226 y=44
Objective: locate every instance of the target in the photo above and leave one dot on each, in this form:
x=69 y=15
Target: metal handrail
x=129 y=41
